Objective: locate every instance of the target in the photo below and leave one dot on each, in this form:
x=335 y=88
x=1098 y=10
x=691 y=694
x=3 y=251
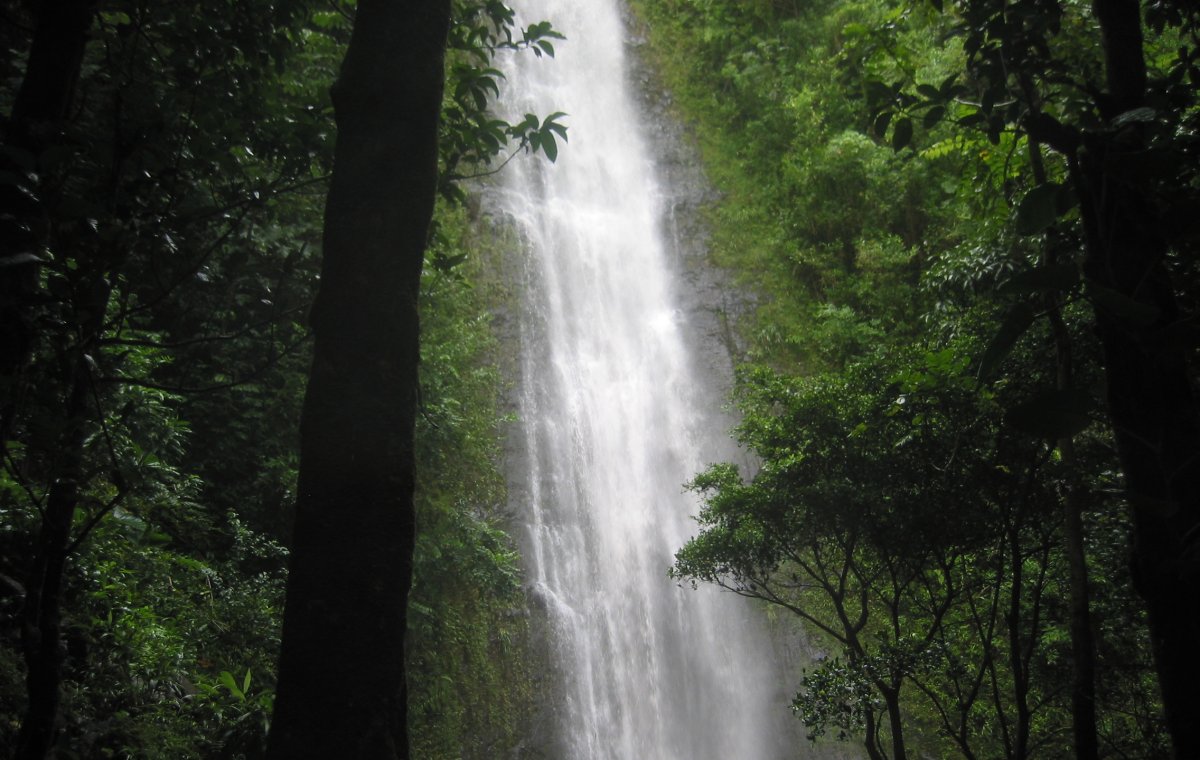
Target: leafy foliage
x=896 y=189
x=176 y=219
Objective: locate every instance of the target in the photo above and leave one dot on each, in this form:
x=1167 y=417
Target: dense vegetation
x=972 y=228
x=162 y=217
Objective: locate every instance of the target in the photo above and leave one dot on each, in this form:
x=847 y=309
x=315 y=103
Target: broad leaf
x=1038 y=209
x=902 y=134
x=1015 y=323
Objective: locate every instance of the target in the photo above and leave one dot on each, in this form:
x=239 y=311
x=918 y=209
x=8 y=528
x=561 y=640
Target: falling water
x=614 y=420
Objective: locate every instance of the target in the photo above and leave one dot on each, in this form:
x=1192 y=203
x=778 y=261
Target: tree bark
x=1150 y=399
x=342 y=689
x=1083 y=645
x=41 y=623
x=891 y=698
x=39 y=110
x=41 y=107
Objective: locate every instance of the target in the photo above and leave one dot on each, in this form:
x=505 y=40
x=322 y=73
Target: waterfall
x=614 y=419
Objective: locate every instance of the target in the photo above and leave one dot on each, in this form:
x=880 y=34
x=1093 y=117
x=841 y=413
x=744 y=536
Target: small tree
x=895 y=514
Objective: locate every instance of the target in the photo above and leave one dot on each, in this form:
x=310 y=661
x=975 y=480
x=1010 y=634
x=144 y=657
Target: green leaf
x=879 y=94
x=1053 y=414
x=550 y=147
x=444 y=264
x=881 y=123
x=933 y=116
x=115 y=18
x=929 y=91
x=902 y=133
x=227 y=680
x=1136 y=116
x=1038 y=209
x=1015 y=323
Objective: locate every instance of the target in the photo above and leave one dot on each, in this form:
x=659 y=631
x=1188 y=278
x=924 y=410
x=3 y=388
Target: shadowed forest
x=963 y=238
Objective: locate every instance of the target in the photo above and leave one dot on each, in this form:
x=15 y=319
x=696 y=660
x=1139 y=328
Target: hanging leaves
x=1015 y=323
x=1040 y=208
x=902 y=133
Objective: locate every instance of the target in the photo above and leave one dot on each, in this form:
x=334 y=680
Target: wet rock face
x=711 y=304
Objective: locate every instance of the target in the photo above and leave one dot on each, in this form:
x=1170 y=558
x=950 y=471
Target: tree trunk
x=871 y=732
x=1083 y=645
x=41 y=623
x=1016 y=658
x=41 y=620
x=342 y=690
x=41 y=105
x=1150 y=399
x=891 y=698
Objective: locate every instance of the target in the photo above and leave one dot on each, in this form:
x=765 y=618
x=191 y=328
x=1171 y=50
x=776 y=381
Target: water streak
x=614 y=420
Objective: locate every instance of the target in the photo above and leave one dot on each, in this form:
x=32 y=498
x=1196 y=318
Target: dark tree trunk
x=1017 y=662
x=1150 y=398
x=871 y=732
x=41 y=624
x=342 y=690
x=1083 y=645
x=891 y=698
x=39 y=110
x=36 y=122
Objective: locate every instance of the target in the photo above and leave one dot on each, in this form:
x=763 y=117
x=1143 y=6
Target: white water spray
x=612 y=425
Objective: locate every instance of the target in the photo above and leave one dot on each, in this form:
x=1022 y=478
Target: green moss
x=825 y=223
x=468 y=635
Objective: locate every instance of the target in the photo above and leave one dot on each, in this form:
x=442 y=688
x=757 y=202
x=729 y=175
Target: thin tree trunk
x=1150 y=399
x=871 y=732
x=41 y=623
x=891 y=698
x=342 y=690
x=41 y=626
x=1017 y=663
x=1083 y=646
